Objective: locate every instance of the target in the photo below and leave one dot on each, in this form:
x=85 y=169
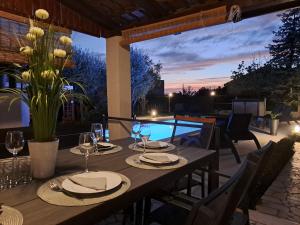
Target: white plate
x=173 y=158
x=154 y=144
x=113 y=180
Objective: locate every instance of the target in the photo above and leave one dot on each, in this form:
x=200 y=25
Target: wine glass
x=87 y=145
x=145 y=134
x=135 y=130
x=14 y=143
x=97 y=129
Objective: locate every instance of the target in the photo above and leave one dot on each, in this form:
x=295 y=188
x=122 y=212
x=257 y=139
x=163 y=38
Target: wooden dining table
x=143 y=183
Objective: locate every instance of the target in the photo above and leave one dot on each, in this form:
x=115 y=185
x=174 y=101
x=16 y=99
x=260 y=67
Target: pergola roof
x=109 y=17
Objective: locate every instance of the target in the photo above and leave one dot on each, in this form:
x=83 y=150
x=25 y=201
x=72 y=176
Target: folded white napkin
x=155 y=144
x=98 y=183
x=158 y=158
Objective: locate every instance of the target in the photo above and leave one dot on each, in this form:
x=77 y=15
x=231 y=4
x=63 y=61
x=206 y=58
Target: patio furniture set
x=54 y=202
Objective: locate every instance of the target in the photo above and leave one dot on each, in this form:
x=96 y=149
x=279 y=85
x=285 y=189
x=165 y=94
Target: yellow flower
x=59 y=53
x=48 y=74
x=30 y=37
x=38 y=32
x=26 y=75
x=65 y=40
x=42 y=14
x=26 y=50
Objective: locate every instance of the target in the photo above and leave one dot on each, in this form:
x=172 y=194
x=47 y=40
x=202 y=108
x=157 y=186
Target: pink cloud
x=208 y=83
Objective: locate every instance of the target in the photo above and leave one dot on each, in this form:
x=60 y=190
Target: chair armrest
x=217 y=172
x=178 y=202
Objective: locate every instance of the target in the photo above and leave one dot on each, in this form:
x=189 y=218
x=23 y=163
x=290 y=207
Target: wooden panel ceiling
x=109 y=17
x=118 y=15
x=60 y=15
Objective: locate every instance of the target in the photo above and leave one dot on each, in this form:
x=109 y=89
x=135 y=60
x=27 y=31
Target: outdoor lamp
x=297 y=129
x=295 y=134
x=170 y=96
x=212 y=93
x=153 y=113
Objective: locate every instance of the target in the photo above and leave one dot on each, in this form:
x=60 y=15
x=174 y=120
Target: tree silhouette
x=144 y=74
x=90 y=70
x=285 y=49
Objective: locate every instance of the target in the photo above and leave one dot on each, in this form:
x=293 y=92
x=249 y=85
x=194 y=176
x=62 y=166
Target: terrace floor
x=281 y=203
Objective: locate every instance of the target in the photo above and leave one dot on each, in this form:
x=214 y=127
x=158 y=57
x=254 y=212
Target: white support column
x=118 y=85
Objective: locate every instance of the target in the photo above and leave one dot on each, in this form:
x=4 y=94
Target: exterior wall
x=12 y=35
x=18 y=116
x=118 y=85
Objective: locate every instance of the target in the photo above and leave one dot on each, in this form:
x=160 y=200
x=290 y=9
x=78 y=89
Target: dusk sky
x=203 y=57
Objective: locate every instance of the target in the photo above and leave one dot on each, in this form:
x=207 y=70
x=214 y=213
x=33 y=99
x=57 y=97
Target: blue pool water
x=160 y=131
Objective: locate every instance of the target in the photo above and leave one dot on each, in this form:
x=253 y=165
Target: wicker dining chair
x=238 y=130
x=201 y=138
x=219 y=208
x=269 y=160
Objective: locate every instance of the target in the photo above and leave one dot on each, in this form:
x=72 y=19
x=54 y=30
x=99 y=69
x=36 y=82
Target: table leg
x=147 y=210
x=213 y=178
x=139 y=212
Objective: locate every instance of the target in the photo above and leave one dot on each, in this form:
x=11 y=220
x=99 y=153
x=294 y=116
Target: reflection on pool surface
x=160 y=131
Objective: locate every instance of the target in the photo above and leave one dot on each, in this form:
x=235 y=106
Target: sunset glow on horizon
x=204 y=57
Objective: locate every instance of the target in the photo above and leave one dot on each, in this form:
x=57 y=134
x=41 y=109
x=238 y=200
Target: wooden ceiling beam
x=195 y=9
x=115 y=9
x=151 y=7
x=87 y=11
x=267 y=7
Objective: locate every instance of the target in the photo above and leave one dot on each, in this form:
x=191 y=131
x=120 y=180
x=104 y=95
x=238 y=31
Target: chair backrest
x=239 y=123
x=219 y=207
x=206 y=126
x=270 y=160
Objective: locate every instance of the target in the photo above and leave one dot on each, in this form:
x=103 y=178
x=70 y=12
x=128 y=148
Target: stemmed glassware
x=145 y=134
x=136 y=130
x=87 y=145
x=97 y=129
x=14 y=143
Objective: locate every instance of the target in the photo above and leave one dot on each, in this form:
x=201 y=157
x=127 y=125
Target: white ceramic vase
x=274 y=126
x=43 y=158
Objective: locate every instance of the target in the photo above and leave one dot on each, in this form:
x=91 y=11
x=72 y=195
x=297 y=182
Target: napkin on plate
x=105 y=145
x=158 y=158
x=98 y=183
x=156 y=144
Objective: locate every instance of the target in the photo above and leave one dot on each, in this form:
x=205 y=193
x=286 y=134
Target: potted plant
x=44 y=90
x=274 y=122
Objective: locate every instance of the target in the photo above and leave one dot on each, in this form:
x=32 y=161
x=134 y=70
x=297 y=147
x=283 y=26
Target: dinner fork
x=57 y=187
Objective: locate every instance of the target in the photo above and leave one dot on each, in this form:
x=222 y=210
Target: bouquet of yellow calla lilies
x=44 y=85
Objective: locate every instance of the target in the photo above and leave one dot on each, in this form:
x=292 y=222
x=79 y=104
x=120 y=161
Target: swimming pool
x=160 y=131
